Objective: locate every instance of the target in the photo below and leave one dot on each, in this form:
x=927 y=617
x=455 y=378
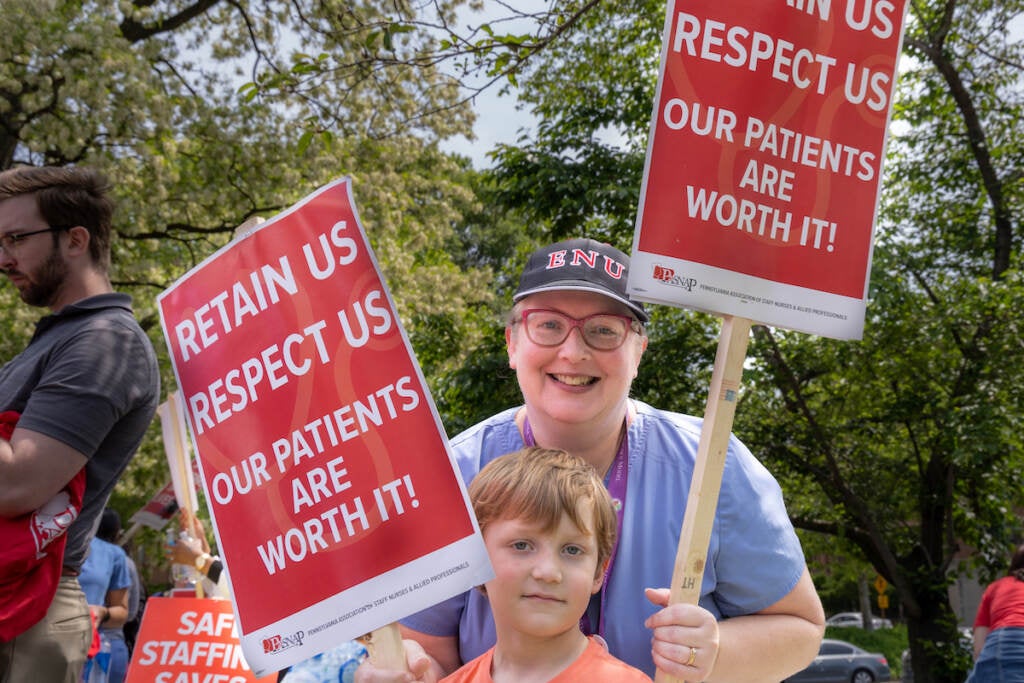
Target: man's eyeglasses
x=10 y=242
x=601 y=331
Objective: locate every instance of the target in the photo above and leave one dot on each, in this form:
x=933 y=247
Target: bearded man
x=83 y=391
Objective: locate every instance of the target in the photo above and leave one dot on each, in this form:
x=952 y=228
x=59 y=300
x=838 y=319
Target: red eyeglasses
x=601 y=331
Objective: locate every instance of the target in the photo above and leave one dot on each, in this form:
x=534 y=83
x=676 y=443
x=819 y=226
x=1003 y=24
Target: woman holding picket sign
x=575 y=340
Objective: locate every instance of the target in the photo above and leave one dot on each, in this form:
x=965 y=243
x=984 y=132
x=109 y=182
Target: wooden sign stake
x=384 y=645
x=699 y=517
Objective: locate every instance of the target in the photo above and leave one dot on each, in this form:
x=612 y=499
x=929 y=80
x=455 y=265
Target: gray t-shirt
x=88 y=378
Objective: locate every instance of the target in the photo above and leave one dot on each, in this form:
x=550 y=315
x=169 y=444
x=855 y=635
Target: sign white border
x=719 y=291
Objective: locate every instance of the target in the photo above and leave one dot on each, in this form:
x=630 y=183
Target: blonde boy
x=549 y=526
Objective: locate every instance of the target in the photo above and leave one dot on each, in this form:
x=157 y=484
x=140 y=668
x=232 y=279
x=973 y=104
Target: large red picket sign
x=335 y=501
x=765 y=157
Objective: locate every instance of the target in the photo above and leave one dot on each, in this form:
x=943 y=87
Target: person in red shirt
x=999 y=628
x=33 y=550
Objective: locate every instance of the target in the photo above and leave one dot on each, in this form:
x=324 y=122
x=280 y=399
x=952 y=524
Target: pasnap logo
x=669 y=277
x=275 y=644
x=271 y=644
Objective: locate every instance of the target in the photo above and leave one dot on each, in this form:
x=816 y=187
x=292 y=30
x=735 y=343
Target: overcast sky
x=498 y=120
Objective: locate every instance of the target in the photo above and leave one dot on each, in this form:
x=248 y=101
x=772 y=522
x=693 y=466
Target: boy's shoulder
x=474 y=671
x=596 y=663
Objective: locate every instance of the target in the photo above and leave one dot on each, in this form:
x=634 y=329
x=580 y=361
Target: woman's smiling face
x=573 y=383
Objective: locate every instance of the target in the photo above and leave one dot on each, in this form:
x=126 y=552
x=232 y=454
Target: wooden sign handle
x=384 y=645
x=699 y=517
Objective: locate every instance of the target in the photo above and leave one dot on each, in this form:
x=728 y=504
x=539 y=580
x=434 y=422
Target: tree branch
x=135 y=31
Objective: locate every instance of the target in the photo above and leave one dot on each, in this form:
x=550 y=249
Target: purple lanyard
x=618 y=476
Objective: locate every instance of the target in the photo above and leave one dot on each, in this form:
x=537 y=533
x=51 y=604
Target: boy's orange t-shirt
x=595 y=664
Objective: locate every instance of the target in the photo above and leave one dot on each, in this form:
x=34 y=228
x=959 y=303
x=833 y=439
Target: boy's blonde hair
x=538 y=485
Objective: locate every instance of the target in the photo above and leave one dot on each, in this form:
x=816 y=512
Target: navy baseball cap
x=579 y=265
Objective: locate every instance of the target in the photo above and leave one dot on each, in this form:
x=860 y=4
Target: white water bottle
x=183 y=575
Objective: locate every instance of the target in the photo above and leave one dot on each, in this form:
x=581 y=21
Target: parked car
x=855 y=619
x=842 y=662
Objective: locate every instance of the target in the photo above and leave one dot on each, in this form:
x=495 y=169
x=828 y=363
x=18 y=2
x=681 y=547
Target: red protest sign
x=334 y=498
x=764 y=160
x=182 y=640
x=158 y=510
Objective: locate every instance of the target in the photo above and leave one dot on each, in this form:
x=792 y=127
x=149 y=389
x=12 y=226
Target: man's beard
x=45 y=283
